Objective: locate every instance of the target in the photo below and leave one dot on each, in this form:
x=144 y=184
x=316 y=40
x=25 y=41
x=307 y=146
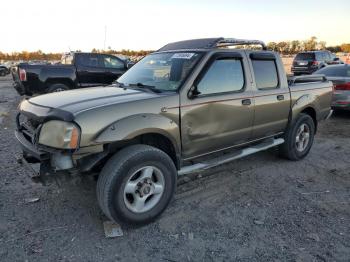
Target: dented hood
x=74 y=101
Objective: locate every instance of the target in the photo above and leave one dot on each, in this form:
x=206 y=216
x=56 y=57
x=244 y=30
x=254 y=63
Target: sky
x=64 y=25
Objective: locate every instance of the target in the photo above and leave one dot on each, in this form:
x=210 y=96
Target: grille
x=28 y=127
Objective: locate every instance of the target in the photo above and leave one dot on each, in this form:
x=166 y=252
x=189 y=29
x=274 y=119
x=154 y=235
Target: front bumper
x=30 y=152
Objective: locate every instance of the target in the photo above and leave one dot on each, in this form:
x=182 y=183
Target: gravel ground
x=260 y=208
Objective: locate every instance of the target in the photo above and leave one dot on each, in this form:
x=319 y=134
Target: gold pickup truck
x=187 y=107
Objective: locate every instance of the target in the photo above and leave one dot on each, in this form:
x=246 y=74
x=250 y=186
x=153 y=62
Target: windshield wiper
x=149 y=87
x=121 y=85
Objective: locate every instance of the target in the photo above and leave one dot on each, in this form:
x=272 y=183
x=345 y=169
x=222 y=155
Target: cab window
x=112 y=62
x=224 y=75
x=265 y=72
x=90 y=60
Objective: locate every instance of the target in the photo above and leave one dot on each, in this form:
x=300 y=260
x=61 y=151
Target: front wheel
x=136 y=185
x=299 y=138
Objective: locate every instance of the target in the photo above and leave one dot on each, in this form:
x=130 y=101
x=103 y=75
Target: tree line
x=296 y=46
x=283 y=47
x=39 y=55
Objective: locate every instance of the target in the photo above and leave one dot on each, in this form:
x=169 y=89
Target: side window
x=319 y=57
x=112 y=62
x=88 y=60
x=324 y=56
x=224 y=75
x=265 y=72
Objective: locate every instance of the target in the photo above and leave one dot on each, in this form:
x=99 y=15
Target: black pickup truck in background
x=76 y=70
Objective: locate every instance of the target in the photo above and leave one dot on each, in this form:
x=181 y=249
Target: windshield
x=162 y=71
x=333 y=71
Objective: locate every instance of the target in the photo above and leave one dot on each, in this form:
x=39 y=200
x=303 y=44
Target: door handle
x=280 y=97
x=246 y=102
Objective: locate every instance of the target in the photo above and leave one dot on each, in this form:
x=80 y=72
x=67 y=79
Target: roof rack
x=208 y=43
x=235 y=41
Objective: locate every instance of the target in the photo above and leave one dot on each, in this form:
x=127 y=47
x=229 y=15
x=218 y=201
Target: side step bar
x=266 y=144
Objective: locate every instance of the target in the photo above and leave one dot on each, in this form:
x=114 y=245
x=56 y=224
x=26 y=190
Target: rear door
x=114 y=68
x=90 y=69
x=271 y=94
x=221 y=114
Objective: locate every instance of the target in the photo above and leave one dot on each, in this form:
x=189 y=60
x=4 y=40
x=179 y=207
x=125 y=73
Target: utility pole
x=104 y=43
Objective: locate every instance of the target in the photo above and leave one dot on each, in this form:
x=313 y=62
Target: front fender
x=133 y=126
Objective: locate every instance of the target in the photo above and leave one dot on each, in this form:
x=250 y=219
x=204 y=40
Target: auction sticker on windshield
x=182 y=56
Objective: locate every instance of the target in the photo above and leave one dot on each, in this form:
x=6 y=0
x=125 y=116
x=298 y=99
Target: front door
x=90 y=69
x=220 y=112
x=114 y=68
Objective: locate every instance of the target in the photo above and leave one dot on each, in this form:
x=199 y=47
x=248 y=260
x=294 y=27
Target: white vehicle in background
x=4 y=70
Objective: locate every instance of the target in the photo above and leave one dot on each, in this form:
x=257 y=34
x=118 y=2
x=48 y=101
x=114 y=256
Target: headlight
x=59 y=134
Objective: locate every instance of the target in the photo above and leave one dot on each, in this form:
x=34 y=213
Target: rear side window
x=88 y=60
x=333 y=71
x=305 y=56
x=224 y=75
x=321 y=56
x=265 y=72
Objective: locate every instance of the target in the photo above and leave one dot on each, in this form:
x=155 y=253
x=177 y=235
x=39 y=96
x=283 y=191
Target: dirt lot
x=260 y=208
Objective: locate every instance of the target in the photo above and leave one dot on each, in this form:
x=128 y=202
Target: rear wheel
x=299 y=138
x=57 y=88
x=136 y=185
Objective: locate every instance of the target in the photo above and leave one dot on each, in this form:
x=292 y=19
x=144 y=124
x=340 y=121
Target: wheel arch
x=150 y=129
x=65 y=81
x=305 y=108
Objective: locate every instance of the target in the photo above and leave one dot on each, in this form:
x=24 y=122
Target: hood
x=77 y=100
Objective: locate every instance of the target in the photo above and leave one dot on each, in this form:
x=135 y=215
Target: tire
x=57 y=88
x=124 y=172
x=296 y=147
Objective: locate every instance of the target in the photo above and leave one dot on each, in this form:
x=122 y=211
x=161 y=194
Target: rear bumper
x=341 y=100
x=19 y=88
x=339 y=106
x=303 y=70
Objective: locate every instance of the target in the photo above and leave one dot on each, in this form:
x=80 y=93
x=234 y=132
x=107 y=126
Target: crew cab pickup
x=189 y=106
x=76 y=70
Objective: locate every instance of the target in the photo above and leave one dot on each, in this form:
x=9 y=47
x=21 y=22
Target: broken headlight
x=59 y=134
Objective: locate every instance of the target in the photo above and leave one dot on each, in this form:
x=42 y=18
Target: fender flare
x=132 y=126
x=303 y=102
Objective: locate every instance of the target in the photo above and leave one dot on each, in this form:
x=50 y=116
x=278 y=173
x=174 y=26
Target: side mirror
x=336 y=59
x=193 y=92
x=129 y=64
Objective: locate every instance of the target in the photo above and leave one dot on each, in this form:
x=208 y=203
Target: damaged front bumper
x=49 y=162
x=46 y=164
